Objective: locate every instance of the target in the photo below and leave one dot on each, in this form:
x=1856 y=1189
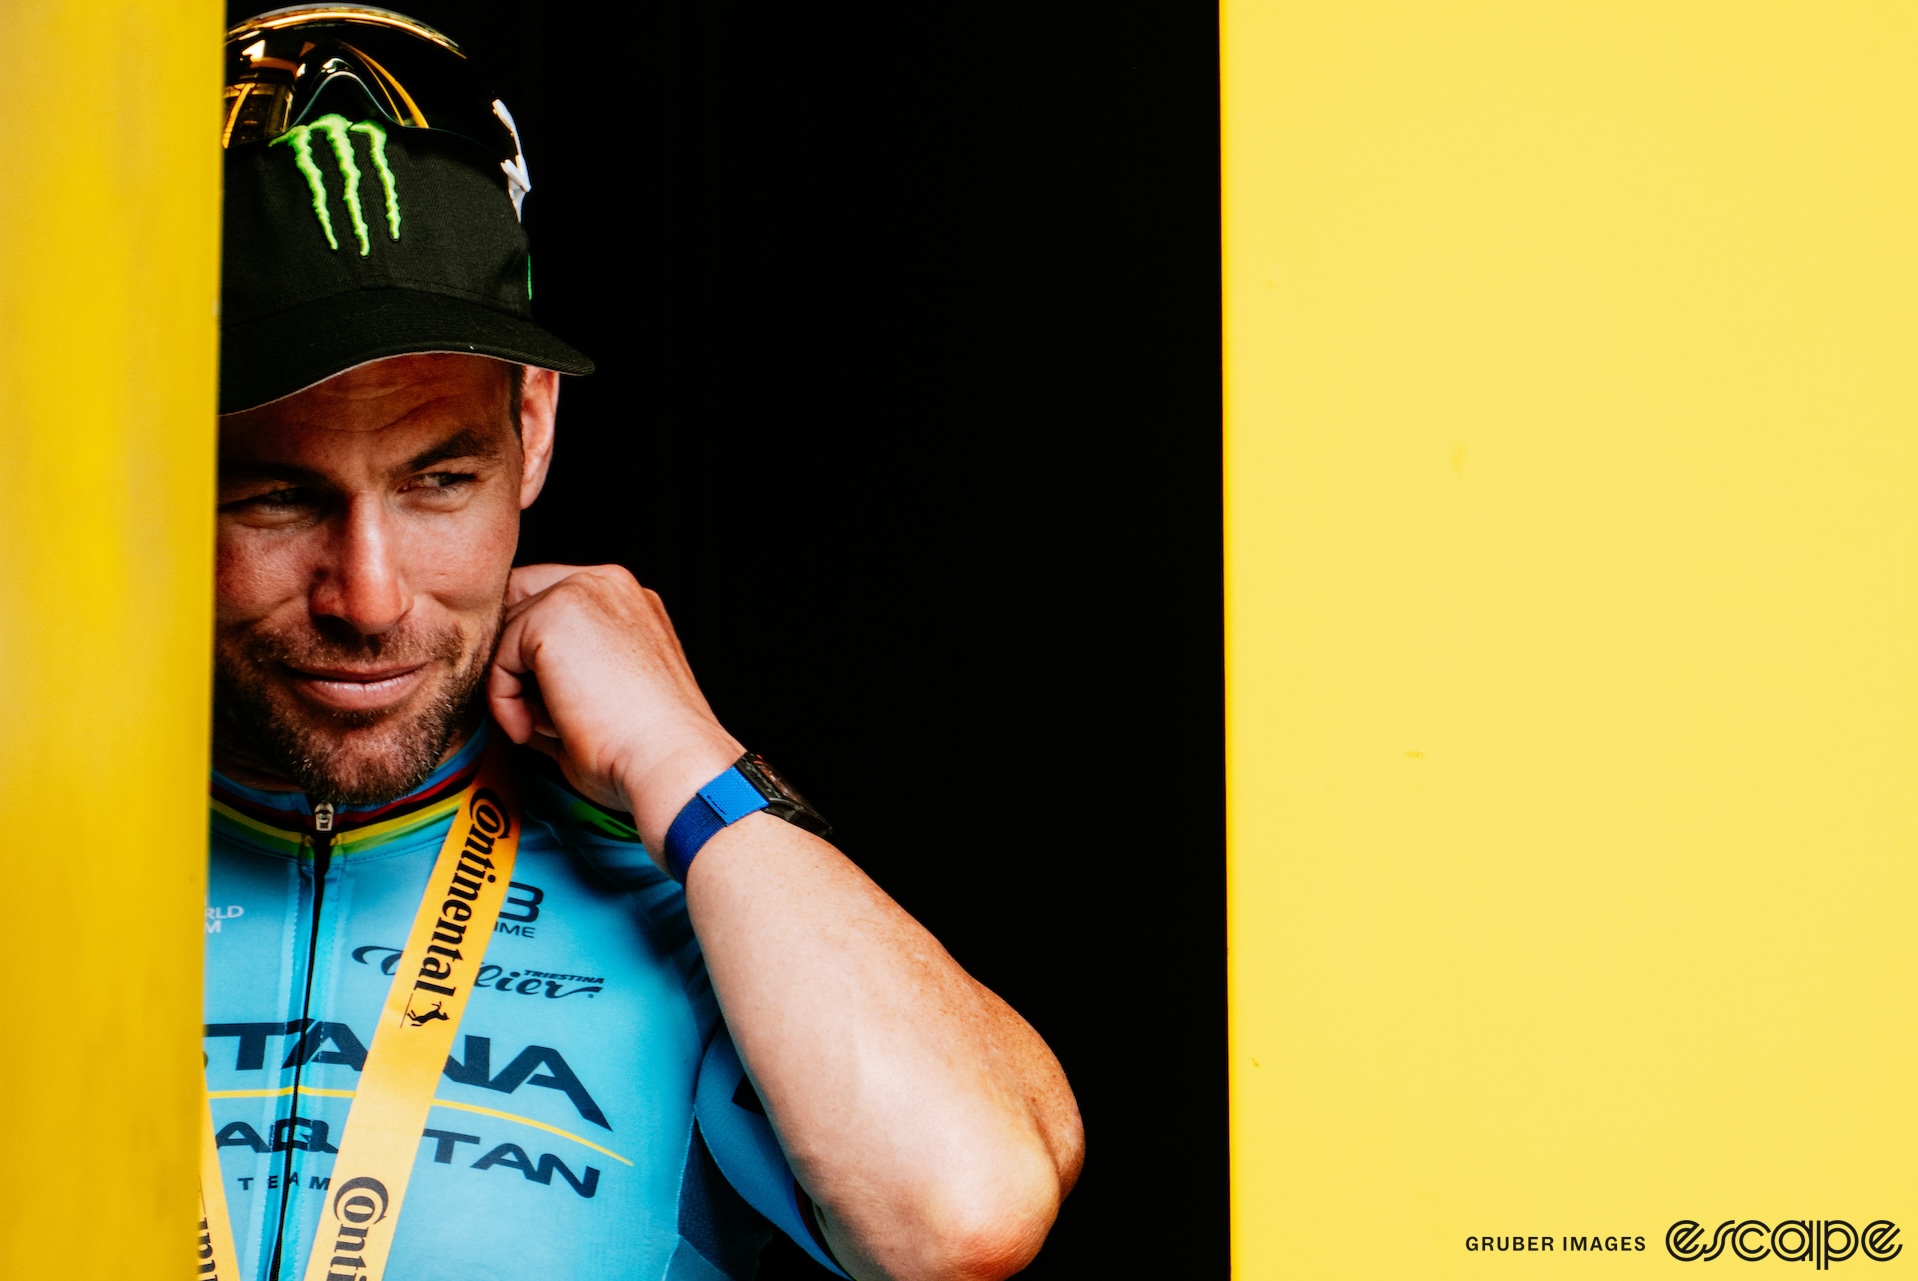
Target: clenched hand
x=590 y=672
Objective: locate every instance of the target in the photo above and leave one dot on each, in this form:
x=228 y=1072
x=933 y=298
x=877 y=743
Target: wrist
x=747 y=786
x=657 y=787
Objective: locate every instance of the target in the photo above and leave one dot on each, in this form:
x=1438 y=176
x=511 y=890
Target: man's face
x=366 y=530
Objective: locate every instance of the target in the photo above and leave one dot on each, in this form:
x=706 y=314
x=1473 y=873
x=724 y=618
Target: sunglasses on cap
x=291 y=67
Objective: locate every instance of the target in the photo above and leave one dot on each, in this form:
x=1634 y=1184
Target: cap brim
x=272 y=356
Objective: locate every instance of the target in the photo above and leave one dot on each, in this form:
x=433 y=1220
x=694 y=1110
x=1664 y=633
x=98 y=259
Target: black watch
x=748 y=786
x=782 y=798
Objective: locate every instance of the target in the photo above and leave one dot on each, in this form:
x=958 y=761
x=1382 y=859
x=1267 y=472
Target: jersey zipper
x=323 y=816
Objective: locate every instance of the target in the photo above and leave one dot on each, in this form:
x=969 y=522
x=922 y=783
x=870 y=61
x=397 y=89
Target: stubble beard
x=346 y=757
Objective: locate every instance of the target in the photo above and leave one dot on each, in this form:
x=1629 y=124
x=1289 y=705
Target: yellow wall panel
x=109 y=254
x=1572 y=438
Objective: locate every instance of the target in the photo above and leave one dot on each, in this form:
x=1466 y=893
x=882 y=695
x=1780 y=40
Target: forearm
x=928 y=1121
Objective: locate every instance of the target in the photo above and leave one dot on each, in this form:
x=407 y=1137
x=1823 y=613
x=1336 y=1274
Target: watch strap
x=714 y=807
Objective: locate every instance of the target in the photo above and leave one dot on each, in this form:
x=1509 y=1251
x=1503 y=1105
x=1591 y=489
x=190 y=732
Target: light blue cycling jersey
x=593 y=1122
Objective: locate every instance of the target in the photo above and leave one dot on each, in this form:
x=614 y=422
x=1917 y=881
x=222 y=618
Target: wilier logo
x=340 y=133
x=358 y=1204
x=1820 y=1242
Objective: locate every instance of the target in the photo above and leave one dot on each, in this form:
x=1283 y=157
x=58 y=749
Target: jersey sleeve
x=743 y=1145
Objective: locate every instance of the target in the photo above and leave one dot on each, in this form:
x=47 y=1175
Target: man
x=517 y=963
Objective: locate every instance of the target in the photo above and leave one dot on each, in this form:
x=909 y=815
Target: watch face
x=773 y=785
x=777 y=781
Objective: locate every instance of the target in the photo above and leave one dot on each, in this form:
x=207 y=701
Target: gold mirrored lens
x=309 y=15
x=256 y=109
x=285 y=66
x=286 y=57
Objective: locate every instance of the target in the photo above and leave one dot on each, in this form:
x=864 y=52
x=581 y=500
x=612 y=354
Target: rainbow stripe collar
x=282 y=822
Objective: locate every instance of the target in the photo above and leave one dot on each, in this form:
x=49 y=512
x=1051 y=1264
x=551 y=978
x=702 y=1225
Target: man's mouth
x=346 y=689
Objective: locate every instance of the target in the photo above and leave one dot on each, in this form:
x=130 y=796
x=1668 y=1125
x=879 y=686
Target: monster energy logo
x=336 y=129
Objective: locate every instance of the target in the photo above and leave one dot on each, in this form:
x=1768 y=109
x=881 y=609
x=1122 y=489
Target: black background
x=908 y=405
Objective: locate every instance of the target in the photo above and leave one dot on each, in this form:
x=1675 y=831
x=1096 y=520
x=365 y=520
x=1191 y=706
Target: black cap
x=348 y=240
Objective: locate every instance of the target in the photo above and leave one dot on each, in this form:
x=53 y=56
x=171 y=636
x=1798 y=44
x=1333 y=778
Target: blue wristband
x=716 y=806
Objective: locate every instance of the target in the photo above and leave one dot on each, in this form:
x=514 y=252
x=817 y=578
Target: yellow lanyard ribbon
x=217 y=1258
x=431 y=983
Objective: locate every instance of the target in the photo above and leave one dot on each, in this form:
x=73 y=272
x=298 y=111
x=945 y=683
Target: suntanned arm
x=927 y=1121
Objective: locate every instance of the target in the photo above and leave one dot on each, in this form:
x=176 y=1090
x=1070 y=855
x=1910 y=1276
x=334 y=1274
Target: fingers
x=513 y=641
x=531 y=580
x=512 y=693
x=590 y=648
x=504 y=698
x=608 y=591
x=515 y=702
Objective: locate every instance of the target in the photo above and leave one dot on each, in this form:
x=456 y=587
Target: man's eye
x=272 y=500
x=444 y=479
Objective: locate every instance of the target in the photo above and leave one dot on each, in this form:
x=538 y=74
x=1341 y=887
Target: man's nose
x=361 y=583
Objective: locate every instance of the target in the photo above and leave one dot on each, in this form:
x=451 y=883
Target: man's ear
x=538 y=404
